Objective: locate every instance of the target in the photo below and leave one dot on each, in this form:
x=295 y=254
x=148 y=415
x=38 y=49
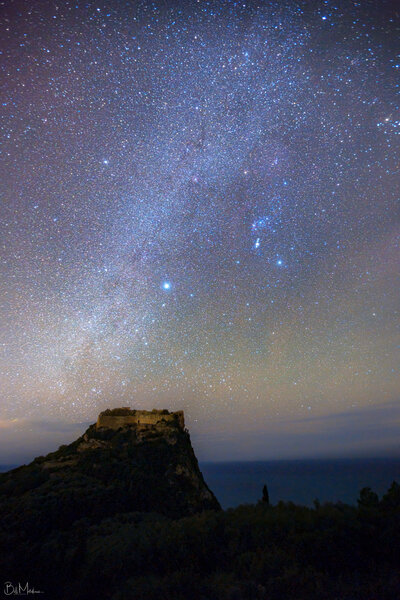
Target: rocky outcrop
x=128 y=461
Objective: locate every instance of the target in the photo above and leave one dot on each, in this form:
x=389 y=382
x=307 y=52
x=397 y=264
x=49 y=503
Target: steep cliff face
x=114 y=467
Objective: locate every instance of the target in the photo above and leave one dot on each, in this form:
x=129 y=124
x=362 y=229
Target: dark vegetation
x=333 y=551
x=265 y=495
x=112 y=521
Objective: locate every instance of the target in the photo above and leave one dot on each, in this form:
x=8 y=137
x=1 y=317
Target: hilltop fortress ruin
x=121 y=417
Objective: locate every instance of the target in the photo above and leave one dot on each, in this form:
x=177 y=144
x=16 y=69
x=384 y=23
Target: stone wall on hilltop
x=122 y=417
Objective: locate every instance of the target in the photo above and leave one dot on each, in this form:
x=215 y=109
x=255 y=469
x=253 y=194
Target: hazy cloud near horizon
x=372 y=431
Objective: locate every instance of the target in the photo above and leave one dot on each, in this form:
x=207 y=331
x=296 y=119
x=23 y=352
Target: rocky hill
x=128 y=461
x=97 y=520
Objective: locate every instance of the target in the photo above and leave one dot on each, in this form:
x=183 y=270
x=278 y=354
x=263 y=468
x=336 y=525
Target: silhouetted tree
x=368 y=498
x=391 y=499
x=265 y=495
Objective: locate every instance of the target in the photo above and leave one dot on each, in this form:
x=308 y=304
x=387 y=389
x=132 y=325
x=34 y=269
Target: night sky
x=200 y=211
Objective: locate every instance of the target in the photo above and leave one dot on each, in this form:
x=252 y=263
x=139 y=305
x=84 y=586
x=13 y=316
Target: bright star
x=166 y=285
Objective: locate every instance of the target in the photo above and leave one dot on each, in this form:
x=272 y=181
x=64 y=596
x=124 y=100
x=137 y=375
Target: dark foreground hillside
x=330 y=552
x=123 y=513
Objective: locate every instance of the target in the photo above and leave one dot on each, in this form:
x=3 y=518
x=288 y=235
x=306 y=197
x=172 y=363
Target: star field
x=200 y=212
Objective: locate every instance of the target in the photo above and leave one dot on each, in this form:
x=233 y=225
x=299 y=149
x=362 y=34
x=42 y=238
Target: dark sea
x=300 y=481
